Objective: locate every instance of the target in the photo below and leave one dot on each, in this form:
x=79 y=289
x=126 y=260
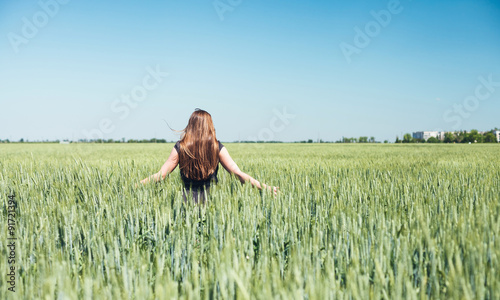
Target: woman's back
x=198 y=154
x=197 y=183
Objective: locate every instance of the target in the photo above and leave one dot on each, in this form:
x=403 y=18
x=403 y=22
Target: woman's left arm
x=166 y=169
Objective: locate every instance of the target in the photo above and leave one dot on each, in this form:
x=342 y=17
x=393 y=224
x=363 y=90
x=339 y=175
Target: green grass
x=351 y=221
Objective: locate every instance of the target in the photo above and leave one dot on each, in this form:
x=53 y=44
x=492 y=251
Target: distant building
x=425 y=135
x=497 y=134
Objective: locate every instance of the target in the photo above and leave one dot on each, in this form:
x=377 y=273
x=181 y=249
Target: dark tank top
x=199 y=184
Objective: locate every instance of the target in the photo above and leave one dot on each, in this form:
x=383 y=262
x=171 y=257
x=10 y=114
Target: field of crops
x=350 y=222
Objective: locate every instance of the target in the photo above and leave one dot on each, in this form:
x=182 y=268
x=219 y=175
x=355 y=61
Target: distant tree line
x=252 y=142
x=106 y=141
x=154 y=140
x=361 y=139
x=473 y=136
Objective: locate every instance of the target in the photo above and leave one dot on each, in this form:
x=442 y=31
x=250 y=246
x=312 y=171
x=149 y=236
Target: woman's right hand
x=275 y=190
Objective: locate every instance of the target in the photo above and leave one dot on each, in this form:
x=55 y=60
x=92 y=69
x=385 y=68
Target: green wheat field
x=350 y=222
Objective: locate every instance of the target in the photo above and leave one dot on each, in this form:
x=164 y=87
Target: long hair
x=199 y=148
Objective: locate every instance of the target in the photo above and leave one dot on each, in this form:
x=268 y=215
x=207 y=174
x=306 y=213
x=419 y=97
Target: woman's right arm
x=167 y=168
x=229 y=164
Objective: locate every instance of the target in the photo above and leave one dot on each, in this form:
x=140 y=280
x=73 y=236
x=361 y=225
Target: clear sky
x=281 y=70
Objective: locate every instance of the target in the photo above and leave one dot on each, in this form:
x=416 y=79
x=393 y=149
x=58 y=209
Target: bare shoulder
x=224 y=153
x=226 y=161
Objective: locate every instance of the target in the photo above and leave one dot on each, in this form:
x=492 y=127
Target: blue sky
x=263 y=69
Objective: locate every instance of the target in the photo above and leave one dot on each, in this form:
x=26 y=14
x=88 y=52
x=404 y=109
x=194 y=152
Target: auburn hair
x=199 y=148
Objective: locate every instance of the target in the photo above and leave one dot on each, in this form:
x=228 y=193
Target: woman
x=198 y=154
